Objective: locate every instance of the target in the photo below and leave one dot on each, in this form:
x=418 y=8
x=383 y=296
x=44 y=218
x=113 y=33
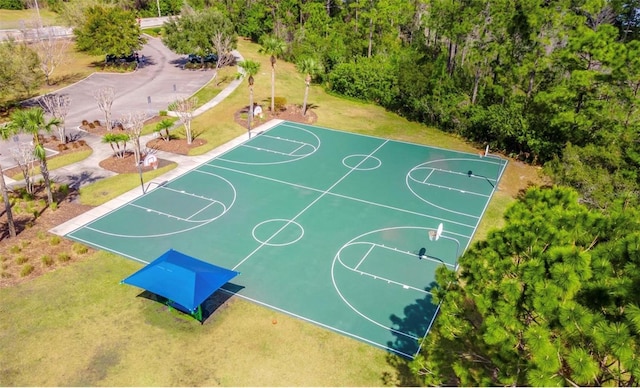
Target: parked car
x=209 y=58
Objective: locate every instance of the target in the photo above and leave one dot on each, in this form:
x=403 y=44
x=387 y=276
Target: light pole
x=158 y=4
x=250 y=80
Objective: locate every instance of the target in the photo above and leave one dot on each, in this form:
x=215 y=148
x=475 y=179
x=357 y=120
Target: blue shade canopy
x=181 y=279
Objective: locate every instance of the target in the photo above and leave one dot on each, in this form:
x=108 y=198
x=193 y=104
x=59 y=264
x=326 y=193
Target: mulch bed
x=289 y=113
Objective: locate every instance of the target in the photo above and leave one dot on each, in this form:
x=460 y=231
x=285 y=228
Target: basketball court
x=331 y=227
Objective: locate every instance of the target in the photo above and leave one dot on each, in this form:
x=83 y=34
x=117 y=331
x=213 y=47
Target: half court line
x=309 y=205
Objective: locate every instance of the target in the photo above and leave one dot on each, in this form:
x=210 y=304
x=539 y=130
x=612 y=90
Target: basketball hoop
x=432 y=235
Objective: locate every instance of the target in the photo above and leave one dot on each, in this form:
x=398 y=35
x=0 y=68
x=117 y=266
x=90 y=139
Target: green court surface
x=324 y=225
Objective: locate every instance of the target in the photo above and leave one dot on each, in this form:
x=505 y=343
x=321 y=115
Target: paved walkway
x=158 y=80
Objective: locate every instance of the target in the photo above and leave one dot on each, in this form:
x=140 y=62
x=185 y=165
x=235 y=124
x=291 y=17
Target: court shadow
x=209 y=306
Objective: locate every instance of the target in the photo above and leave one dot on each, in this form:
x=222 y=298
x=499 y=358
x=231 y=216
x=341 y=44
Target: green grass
x=107 y=189
x=155 y=32
x=58 y=162
x=17 y=19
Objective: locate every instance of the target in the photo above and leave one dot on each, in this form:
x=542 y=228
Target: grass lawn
x=78 y=326
x=17 y=19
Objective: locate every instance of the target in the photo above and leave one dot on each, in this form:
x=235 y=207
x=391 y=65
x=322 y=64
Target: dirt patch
x=175 y=146
x=289 y=113
x=35 y=251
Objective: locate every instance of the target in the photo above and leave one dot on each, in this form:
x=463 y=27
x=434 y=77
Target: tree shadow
x=417 y=321
x=83 y=178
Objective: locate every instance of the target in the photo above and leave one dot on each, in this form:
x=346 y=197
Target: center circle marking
x=361 y=162
x=267 y=232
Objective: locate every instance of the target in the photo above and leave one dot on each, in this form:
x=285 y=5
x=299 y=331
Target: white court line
x=428 y=176
x=285 y=139
x=309 y=205
x=454 y=189
x=365 y=256
x=473 y=176
x=188 y=194
x=383 y=279
x=347 y=197
x=150 y=210
x=224 y=209
x=265 y=150
x=294 y=151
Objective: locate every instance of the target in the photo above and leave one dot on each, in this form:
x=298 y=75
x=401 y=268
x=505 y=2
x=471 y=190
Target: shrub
x=41 y=235
x=97 y=123
x=83 y=143
x=15 y=249
x=12 y=4
x=55 y=240
x=62 y=147
x=3 y=258
x=54 y=206
x=21 y=259
x=46 y=260
x=26 y=270
x=162 y=113
x=79 y=248
x=64 y=189
x=6 y=275
x=279 y=103
x=64 y=257
x=85 y=123
x=4 y=266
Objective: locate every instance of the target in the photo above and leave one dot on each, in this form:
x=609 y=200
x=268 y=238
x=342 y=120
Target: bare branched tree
x=24 y=155
x=222 y=44
x=184 y=108
x=51 y=52
x=57 y=105
x=105 y=97
x=133 y=123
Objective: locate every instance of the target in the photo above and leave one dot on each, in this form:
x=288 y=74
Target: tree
x=133 y=123
x=273 y=47
x=184 y=108
x=19 y=70
x=250 y=68
x=108 y=30
x=309 y=68
x=57 y=105
x=118 y=143
x=164 y=125
x=5 y=132
x=51 y=51
x=195 y=33
x=105 y=97
x=24 y=157
x=32 y=121
x=549 y=299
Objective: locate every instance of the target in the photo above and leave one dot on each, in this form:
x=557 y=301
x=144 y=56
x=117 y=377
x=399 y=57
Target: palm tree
x=5 y=132
x=32 y=121
x=310 y=68
x=274 y=47
x=251 y=68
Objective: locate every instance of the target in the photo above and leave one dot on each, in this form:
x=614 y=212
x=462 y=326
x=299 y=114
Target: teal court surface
x=327 y=226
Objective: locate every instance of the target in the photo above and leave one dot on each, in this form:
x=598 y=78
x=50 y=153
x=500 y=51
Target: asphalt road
x=158 y=81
